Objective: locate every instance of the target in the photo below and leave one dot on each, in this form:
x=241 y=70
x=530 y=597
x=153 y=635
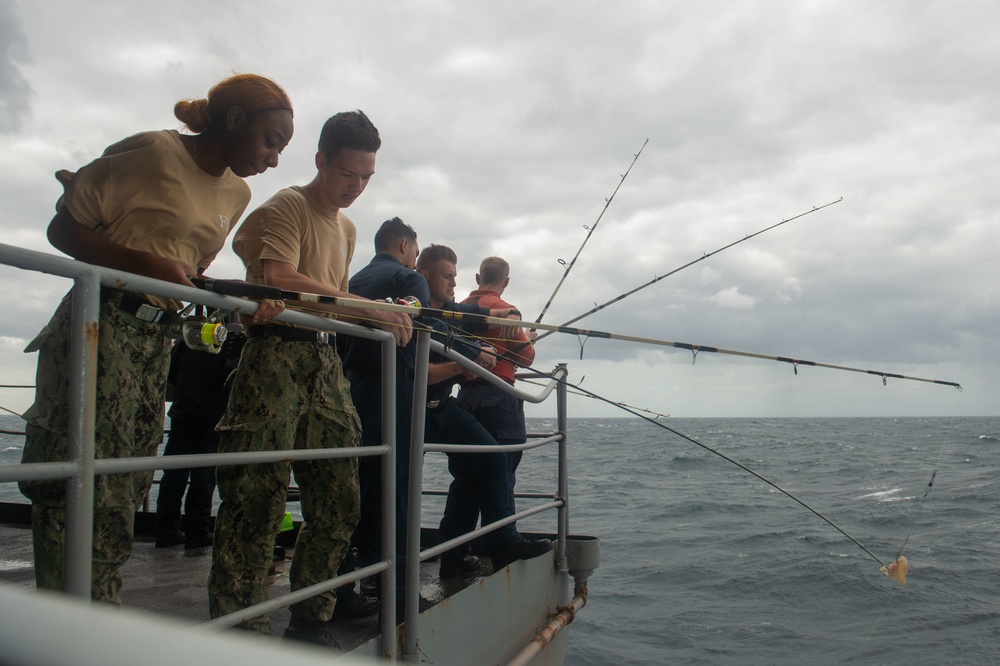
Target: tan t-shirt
x=292 y=227
x=146 y=193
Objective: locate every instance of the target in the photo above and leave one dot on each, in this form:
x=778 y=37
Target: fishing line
x=625 y=295
x=578 y=390
x=930 y=483
x=590 y=231
x=656 y=415
x=722 y=455
x=937 y=463
x=876 y=623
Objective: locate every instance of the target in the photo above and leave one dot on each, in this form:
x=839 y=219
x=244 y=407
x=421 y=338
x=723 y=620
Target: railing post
x=563 y=425
x=77 y=570
x=388 y=465
x=411 y=603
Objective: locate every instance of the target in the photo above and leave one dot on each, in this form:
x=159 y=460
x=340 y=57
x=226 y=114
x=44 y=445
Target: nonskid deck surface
x=172 y=581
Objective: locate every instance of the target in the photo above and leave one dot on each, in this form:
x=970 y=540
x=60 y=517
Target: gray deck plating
x=171 y=581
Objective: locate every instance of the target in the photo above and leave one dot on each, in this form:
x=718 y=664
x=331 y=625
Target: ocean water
x=703 y=563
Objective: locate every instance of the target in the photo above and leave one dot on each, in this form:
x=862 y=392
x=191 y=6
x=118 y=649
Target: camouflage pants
x=286 y=395
x=132 y=360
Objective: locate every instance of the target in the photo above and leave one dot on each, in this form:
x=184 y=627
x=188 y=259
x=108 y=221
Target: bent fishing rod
x=722 y=455
x=590 y=231
x=625 y=295
x=257 y=291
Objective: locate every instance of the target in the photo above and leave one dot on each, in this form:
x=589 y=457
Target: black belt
x=402 y=374
x=289 y=334
x=139 y=308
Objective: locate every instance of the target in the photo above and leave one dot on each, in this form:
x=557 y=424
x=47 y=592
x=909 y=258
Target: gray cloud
x=15 y=93
x=505 y=127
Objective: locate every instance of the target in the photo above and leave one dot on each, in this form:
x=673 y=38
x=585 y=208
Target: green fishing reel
x=200 y=332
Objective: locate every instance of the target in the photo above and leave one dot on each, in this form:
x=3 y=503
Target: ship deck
x=172 y=582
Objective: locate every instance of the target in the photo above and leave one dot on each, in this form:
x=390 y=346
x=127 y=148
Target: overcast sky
x=506 y=126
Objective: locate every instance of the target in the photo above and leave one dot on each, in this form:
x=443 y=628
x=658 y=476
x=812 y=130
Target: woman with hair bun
x=159 y=204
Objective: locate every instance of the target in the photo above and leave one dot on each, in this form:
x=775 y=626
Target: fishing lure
x=897 y=570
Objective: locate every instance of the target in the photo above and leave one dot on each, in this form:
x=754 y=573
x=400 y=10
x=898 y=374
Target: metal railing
x=82 y=465
x=414 y=556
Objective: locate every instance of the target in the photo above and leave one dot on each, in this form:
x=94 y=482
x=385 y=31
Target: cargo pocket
x=242 y=436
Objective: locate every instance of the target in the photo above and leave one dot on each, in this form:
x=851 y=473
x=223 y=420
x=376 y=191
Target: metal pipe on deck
x=561 y=620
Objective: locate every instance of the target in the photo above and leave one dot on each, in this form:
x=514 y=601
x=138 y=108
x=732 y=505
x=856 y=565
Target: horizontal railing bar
x=232 y=619
x=489 y=448
x=63 y=470
x=488 y=376
x=444 y=493
x=434 y=551
x=38 y=471
x=123 y=465
x=69 y=268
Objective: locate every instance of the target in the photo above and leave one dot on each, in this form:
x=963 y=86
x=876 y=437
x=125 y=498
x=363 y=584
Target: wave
x=904 y=498
x=890 y=495
x=989 y=438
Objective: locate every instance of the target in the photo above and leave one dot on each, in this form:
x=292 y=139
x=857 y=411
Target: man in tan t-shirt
x=290 y=391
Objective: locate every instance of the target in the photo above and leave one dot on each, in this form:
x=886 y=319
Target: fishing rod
x=246 y=290
x=687 y=265
x=696 y=349
x=590 y=231
x=410 y=305
x=11 y=411
x=238 y=288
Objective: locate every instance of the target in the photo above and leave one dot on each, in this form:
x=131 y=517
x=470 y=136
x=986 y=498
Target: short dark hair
x=391 y=233
x=435 y=253
x=349 y=129
x=493 y=270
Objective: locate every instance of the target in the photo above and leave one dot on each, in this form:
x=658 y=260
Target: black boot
x=311 y=631
x=519 y=550
x=452 y=568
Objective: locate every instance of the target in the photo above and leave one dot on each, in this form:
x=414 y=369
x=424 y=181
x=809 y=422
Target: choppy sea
x=703 y=563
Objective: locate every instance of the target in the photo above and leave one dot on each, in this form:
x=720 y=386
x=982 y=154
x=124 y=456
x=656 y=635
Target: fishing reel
x=489 y=358
x=411 y=301
x=200 y=332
